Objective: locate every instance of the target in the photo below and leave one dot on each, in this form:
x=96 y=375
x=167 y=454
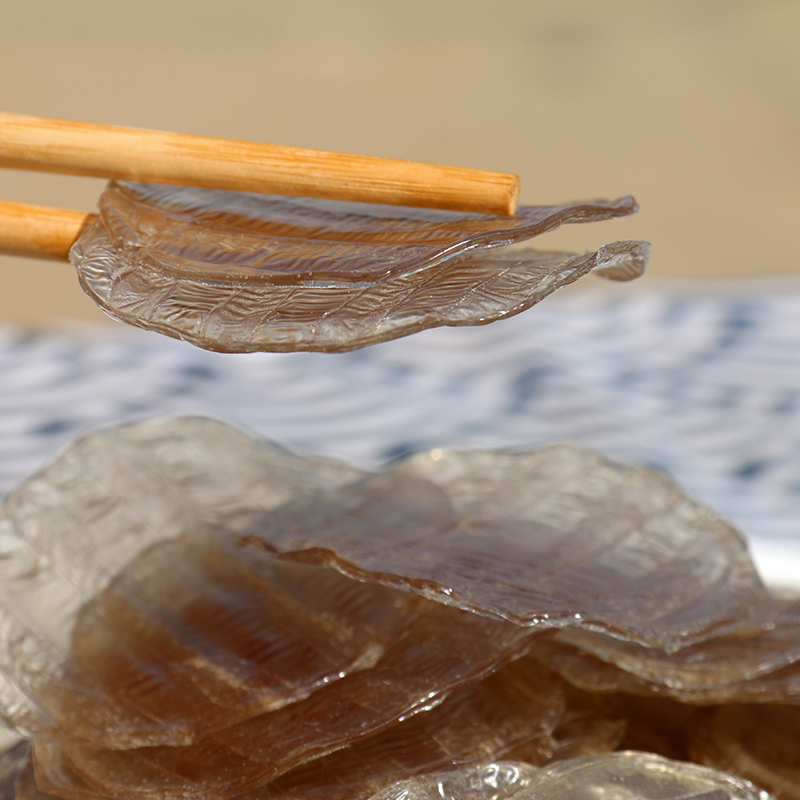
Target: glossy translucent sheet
x=521 y=712
x=760 y=667
x=501 y=780
x=437 y=655
x=239 y=272
x=191 y=612
x=196 y=636
x=65 y=536
x=545 y=538
x=617 y=776
x=521 y=703
x=551 y=537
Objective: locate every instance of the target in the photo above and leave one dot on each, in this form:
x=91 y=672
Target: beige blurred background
x=693 y=106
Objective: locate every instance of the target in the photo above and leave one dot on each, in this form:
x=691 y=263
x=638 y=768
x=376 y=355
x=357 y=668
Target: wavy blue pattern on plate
x=702 y=384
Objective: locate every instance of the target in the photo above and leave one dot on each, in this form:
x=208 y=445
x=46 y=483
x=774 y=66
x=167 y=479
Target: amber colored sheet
x=553 y=537
x=444 y=649
x=237 y=272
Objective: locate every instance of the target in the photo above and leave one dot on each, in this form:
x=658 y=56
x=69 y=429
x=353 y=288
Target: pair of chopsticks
x=107 y=151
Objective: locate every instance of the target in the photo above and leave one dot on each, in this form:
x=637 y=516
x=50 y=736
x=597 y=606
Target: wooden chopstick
x=40 y=231
x=107 y=151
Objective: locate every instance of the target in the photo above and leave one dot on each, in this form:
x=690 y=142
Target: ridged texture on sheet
x=65 y=536
x=189 y=612
x=758 y=668
x=519 y=704
x=439 y=654
x=197 y=635
x=239 y=272
x=633 y=775
x=551 y=537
